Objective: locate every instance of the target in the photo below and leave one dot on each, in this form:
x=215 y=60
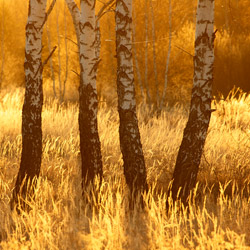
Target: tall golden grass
x=219 y=208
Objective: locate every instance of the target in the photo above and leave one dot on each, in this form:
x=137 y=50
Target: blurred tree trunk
x=130 y=142
x=33 y=102
x=50 y=61
x=157 y=97
x=149 y=99
x=2 y=46
x=168 y=56
x=90 y=147
x=137 y=68
x=66 y=54
x=191 y=149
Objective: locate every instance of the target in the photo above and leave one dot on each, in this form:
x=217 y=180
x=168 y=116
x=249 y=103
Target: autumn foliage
x=231 y=47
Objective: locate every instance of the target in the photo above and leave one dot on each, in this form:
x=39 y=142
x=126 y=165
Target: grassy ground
x=218 y=218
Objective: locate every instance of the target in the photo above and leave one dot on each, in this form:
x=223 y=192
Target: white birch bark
x=33 y=101
x=130 y=142
x=191 y=149
x=85 y=25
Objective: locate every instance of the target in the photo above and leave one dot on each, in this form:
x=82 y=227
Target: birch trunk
x=32 y=107
x=191 y=149
x=130 y=142
x=90 y=147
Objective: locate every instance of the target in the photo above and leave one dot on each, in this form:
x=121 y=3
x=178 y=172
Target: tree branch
x=75 y=72
x=102 y=11
x=45 y=62
x=184 y=51
x=72 y=41
x=48 y=13
x=76 y=15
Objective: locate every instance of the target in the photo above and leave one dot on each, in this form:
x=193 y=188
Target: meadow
x=218 y=212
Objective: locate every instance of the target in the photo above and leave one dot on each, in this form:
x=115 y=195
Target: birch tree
x=85 y=24
x=32 y=108
x=130 y=142
x=191 y=149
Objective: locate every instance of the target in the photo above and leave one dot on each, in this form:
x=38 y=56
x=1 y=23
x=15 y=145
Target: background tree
x=2 y=44
x=85 y=24
x=130 y=142
x=33 y=102
x=191 y=149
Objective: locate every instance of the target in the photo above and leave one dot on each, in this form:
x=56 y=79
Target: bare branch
x=50 y=55
x=45 y=62
x=48 y=13
x=76 y=15
x=184 y=50
x=102 y=11
x=72 y=41
x=75 y=73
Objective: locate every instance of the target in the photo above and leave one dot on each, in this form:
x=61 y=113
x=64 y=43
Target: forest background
x=219 y=213
x=232 y=48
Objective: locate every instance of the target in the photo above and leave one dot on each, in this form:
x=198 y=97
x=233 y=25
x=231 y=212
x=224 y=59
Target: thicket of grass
x=219 y=211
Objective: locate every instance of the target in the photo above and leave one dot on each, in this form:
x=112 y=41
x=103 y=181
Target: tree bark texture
x=32 y=107
x=191 y=149
x=130 y=142
x=90 y=147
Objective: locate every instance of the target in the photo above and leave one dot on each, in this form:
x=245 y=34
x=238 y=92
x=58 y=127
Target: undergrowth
x=219 y=209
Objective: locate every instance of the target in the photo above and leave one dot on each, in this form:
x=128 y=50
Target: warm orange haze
x=151 y=145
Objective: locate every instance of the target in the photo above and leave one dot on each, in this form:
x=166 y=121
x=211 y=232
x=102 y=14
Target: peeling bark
x=191 y=149
x=130 y=142
x=32 y=107
x=90 y=147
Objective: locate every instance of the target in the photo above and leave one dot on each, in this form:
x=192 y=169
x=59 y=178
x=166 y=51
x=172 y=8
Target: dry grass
x=217 y=219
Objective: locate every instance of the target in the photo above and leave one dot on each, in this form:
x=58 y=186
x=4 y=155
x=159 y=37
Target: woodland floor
x=218 y=216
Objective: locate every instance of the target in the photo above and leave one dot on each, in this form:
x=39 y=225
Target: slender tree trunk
x=32 y=107
x=168 y=56
x=66 y=53
x=138 y=73
x=90 y=147
x=59 y=54
x=191 y=149
x=130 y=142
x=154 y=55
x=50 y=61
x=146 y=54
